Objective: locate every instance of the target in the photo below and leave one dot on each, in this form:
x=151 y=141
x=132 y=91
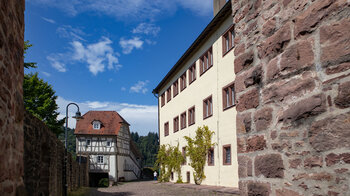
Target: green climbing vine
x=169 y=159
x=197 y=149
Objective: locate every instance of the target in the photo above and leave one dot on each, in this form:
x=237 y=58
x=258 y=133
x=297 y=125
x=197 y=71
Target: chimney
x=218 y=4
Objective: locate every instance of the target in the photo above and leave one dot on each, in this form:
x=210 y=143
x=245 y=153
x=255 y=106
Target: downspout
x=116 y=159
x=156 y=96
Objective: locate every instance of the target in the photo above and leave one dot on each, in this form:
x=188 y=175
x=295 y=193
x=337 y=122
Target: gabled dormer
x=96 y=124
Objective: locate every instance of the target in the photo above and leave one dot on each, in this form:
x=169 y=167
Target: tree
x=40 y=100
x=148 y=146
x=197 y=150
x=161 y=164
x=27 y=65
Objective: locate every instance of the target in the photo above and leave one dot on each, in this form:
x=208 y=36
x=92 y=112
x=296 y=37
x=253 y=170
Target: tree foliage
x=148 y=146
x=71 y=141
x=27 y=65
x=40 y=100
x=197 y=150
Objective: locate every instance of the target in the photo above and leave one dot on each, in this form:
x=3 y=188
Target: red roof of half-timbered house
x=111 y=123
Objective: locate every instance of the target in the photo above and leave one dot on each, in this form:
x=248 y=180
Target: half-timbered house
x=104 y=136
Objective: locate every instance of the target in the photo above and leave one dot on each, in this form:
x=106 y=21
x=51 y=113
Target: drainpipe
x=156 y=96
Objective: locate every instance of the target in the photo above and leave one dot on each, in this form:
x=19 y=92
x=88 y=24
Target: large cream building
x=199 y=90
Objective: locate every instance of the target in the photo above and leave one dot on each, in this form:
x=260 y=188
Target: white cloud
x=150 y=42
x=67 y=31
x=138 y=10
x=96 y=55
x=46 y=74
x=142 y=118
x=129 y=44
x=146 y=28
x=48 y=20
x=139 y=87
x=56 y=63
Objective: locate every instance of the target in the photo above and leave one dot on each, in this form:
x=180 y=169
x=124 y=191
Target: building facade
x=198 y=91
x=104 y=136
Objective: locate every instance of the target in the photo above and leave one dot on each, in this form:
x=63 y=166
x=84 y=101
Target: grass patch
x=80 y=192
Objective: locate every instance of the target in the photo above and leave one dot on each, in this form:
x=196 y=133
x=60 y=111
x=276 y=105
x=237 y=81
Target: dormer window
x=96 y=124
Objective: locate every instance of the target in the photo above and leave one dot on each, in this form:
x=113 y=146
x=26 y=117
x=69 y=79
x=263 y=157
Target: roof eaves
x=208 y=29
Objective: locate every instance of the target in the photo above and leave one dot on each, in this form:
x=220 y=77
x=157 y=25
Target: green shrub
x=103 y=182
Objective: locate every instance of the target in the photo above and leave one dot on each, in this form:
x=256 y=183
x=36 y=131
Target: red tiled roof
x=111 y=123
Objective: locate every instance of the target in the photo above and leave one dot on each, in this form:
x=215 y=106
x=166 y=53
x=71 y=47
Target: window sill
x=190 y=82
x=191 y=124
x=211 y=164
x=207 y=116
x=226 y=164
x=183 y=89
x=224 y=54
x=205 y=70
x=229 y=107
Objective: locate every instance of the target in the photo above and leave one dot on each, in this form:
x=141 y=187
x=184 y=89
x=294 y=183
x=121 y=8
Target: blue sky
x=110 y=54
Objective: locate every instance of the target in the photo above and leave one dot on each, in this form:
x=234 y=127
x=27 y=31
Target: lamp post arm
x=66 y=128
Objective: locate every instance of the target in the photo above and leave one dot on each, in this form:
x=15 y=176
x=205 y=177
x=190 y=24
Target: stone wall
x=293 y=96
x=44 y=161
x=11 y=96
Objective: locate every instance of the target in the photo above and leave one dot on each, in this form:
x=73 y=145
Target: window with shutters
x=183 y=120
x=175 y=88
x=191 y=116
x=192 y=74
x=162 y=99
x=176 y=124
x=227 y=154
x=211 y=157
x=206 y=61
x=166 y=129
x=168 y=94
x=228 y=96
x=228 y=39
x=207 y=107
x=183 y=81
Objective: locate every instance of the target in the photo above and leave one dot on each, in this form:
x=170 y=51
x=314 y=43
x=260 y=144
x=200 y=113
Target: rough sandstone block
x=276 y=43
x=295 y=163
x=270 y=165
x=322 y=176
x=343 y=98
x=248 y=100
x=286 y=89
x=259 y=189
x=305 y=22
x=314 y=161
x=244 y=166
x=243 y=61
x=269 y=27
x=304 y=109
x=256 y=143
x=243 y=122
x=335 y=40
x=248 y=78
x=286 y=192
x=330 y=133
x=263 y=118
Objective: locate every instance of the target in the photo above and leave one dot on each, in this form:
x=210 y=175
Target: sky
x=111 y=54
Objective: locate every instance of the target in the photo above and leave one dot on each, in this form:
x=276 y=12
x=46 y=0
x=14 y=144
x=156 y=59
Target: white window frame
x=100 y=159
x=96 y=125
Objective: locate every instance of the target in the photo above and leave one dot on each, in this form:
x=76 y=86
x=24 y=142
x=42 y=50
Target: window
x=162 y=99
x=183 y=82
x=211 y=157
x=176 y=124
x=192 y=73
x=99 y=159
x=175 y=88
x=184 y=155
x=96 y=124
x=228 y=96
x=228 y=40
x=88 y=142
x=207 y=107
x=168 y=94
x=166 y=129
x=108 y=143
x=206 y=61
x=183 y=120
x=191 y=116
x=227 y=154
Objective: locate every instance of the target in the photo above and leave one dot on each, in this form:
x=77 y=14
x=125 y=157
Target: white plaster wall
x=222 y=122
x=112 y=169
